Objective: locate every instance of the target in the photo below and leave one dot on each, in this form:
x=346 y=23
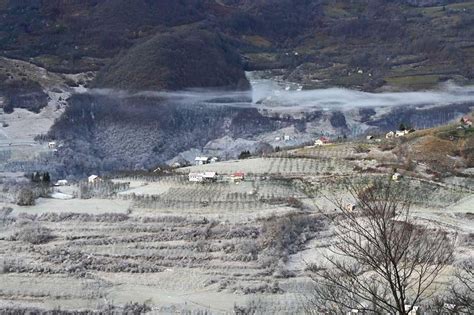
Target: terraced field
x=163 y=244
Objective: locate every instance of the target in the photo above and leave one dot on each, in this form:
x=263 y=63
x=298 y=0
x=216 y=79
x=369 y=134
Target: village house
x=390 y=135
x=322 y=141
x=237 y=177
x=202 y=177
x=401 y=133
x=286 y=138
x=201 y=160
x=61 y=182
x=52 y=145
x=93 y=179
x=214 y=160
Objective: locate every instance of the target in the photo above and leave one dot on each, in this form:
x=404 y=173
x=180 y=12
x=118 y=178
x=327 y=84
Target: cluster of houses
x=211 y=177
x=202 y=160
x=284 y=138
x=398 y=133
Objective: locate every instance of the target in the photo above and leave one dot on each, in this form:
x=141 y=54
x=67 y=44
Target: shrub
x=362 y=148
x=34 y=234
x=25 y=197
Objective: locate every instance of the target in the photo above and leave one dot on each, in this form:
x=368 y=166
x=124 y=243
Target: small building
x=396 y=177
x=286 y=138
x=52 y=145
x=370 y=137
x=214 y=160
x=322 y=141
x=390 y=135
x=201 y=160
x=277 y=138
x=176 y=165
x=202 y=177
x=61 y=182
x=93 y=179
x=237 y=177
x=401 y=133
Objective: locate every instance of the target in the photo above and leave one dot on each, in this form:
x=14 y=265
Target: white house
x=237 y=177
x=202 y=177
x=390 y=135
x=401 y=133
x=61 y=182
x=201 y=160
x=286 y=138
x=52 y=145
x=322 y=141
x=94 y=179
x=214 y=160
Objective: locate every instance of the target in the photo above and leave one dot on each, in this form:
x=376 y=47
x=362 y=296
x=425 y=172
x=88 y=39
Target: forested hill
x=171 y=44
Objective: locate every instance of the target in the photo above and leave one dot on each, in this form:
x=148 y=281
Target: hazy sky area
x=268 y=94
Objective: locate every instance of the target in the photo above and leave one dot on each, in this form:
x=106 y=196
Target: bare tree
x=462 y=291
x=381 y=261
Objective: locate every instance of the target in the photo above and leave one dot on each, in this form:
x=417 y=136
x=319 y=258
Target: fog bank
x=267 y=94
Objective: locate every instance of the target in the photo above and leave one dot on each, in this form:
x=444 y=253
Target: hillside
x=180 y=59
x=157 y=242
x=366 y=45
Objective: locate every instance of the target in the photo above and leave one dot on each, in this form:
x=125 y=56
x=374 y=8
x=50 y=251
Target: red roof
x=325 y=139
x=239 y=174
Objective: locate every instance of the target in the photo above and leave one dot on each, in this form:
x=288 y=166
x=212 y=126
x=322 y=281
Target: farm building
x=322 y=141
x=201 y=160
x=202 y=177
x=94 y=179
x=401 y=133
x=237 y=177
